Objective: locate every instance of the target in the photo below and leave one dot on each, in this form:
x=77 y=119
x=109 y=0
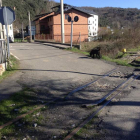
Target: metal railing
x=3 y=51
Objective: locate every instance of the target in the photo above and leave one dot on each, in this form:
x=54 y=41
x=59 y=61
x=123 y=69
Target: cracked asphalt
x=54 y=72
x=51 y=70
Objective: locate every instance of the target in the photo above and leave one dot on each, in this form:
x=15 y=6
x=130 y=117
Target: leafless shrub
x=111 y=43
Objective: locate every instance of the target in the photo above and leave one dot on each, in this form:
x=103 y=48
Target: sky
x=104 y=3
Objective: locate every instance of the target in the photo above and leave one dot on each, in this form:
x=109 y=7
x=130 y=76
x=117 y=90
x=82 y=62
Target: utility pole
x=1 y=26
x=6 y=26
x=30 y=27
x=62 y=23
x=0 y=23
x=71 y=33
x=22 y=33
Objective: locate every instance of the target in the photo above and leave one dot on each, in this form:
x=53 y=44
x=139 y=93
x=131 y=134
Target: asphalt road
x=55 y=71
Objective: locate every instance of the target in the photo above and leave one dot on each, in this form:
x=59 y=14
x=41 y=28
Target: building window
x=93 y=22
x=44 y=30
x=95 y=29
x=42 y=27
x=89 y=21
x=89 y=27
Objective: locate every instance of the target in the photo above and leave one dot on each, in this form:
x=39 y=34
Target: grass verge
x=77 y=51
x=118 y=60
x=11 y=67
x=19 y=40
x=18 y=104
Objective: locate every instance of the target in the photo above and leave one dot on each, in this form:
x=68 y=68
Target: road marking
x=15 y=56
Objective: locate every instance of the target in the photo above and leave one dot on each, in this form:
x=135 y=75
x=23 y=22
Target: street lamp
x=62 y=22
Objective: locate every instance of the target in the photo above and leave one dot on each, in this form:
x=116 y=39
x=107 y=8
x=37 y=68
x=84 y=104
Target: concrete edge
x=43 y=41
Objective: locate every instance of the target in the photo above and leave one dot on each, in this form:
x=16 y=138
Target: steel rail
x=97 y=111
x=84 y=86
x=110 y=93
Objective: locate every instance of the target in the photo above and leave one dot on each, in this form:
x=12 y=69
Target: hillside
x=108 y=16
x=116 y=17
x=23 y=6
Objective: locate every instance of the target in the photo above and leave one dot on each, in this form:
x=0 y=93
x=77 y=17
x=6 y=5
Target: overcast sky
x=104 y=3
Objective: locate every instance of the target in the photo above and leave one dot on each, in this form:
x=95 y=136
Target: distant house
x=10 y=33
x=93 y=26
x=48 y=25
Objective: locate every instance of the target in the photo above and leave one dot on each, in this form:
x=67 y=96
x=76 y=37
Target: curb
x=66 y=44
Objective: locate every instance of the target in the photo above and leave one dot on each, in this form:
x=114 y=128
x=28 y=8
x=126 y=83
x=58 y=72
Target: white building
x=93 y=26
x=10 y=33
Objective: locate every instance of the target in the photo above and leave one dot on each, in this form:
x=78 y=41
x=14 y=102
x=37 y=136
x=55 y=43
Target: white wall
x=1 y=33
x=10 y=32
x=93 y=25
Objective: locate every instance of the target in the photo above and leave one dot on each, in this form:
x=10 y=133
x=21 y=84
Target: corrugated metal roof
x=85 y=11
x=68 y=7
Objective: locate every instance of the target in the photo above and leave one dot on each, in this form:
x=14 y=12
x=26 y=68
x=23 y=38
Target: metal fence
x=3 y=51
x=77 y=37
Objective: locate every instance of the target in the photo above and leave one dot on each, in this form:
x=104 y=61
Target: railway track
x=88 y=84
x=104 y=101
x=101 y=103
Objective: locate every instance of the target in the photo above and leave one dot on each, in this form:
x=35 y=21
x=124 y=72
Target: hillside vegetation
x=116 y=17
x=23 y=6
x=108 y=16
